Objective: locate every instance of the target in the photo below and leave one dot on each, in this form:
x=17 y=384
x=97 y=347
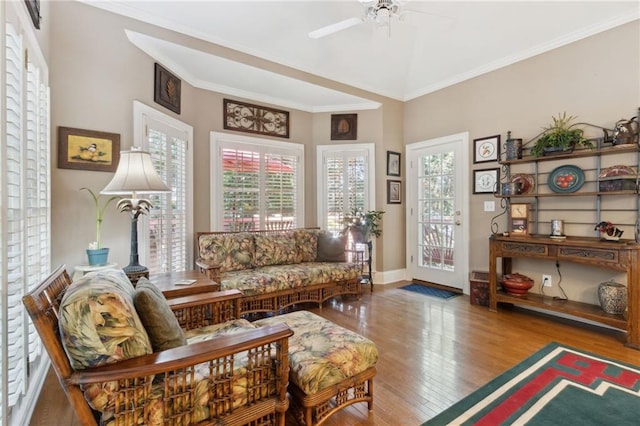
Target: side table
x=169 y=283
x=80 y=270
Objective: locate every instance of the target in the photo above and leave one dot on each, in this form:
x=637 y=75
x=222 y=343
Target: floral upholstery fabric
x=98 y=321
x=307 y=243
x=232 y=252
x=322 y=353
x=273 y=278
x=275 y=249
x=209 y=332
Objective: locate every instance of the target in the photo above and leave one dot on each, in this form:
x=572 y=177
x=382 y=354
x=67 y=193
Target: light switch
x=489 y=206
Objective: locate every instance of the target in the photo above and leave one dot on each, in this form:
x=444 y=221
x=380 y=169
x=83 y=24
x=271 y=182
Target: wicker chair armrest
x=202 y=309
x=211 y=271
x=174 y=361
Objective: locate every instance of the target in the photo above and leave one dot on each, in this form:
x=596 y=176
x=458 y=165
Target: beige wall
x=596 y=79
x=96 y=74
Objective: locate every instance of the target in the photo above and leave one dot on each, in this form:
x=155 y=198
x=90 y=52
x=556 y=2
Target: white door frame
x=412 y=196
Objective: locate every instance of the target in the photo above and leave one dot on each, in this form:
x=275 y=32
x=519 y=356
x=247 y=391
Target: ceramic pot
x=516 y=284
x=98 y=257
x=613 y=297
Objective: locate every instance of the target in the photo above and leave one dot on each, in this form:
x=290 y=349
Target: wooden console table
x=623 y=256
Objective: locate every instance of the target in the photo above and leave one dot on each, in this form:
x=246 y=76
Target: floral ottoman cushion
x=322 y=353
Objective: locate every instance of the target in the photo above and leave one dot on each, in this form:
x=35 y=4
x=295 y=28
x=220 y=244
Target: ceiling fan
x=378 y=11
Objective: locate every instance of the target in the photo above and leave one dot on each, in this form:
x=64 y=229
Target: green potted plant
x=561 y=136
x=361 y=225
x=97 y=254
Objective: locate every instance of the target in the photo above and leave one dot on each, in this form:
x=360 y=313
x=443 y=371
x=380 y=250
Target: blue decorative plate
x=566 y=179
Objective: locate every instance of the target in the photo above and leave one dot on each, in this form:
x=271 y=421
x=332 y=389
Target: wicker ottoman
x=330 y=367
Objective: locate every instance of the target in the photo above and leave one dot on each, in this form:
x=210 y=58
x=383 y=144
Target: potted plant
x=559 y=137
x=361 y=225
x=97 y=254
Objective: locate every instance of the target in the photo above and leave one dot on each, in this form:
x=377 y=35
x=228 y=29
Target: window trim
x=216 y=139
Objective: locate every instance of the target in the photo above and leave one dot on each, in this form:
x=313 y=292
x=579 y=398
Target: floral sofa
x=274 y=269
x=126 y=356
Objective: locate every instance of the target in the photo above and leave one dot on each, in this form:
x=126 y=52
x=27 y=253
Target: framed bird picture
x=88 y=150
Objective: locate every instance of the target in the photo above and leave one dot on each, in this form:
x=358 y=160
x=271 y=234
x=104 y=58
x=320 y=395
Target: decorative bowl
x=516 y=284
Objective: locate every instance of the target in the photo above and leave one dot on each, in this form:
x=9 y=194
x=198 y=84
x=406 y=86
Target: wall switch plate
x=546 y=280
x=489 y=206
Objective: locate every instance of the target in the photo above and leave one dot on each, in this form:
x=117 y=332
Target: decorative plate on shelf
x=527 y=181
x=567 y=178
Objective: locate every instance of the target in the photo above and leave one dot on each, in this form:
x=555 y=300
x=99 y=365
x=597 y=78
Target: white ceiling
x=437 y=44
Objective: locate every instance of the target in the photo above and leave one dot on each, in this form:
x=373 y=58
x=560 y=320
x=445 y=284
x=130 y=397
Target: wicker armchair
x=131 y=380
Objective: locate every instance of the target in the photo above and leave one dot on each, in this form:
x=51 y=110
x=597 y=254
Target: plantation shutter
x=166 y=230
x=345 y=177
x=25 y=228
x=260 y=187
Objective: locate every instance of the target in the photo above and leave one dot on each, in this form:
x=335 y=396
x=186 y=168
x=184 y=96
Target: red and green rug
x=555 y=386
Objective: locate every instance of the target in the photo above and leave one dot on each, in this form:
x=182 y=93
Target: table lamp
x=135 y=175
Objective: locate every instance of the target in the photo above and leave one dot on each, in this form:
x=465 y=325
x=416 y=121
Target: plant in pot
x=96 y=254
x=560 y=137
x=362 y=225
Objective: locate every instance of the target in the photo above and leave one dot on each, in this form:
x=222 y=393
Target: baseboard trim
x=388 y=277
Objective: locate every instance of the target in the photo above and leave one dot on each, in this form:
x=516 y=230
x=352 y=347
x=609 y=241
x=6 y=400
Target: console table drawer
x=518 y=248
x=589 y=254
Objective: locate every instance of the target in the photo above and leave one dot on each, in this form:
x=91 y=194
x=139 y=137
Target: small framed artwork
x=394 y=192
x=344 y=127
x=88 y=150
x=485 y=181
x=486 y=149
x=33 y=6
x=393 y=163
x=166 y=89
x=519 y=218
x=250 y=118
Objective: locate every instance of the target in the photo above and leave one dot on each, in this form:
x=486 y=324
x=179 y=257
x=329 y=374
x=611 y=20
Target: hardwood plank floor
x=432 y=353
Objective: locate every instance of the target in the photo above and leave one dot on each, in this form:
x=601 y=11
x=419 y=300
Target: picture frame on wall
x=166 y=89
x=33 y=6
x=82 y=149
x=393 y=163
x=486 y=149
x=250 y=118
x=394 y=192
x=344 y=127
x=485 y=181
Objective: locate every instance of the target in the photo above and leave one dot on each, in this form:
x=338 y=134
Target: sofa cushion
x=157 y=317
x=99 y=323
x=231 y=252
x=275 y=249
x=202 y=334
x=307 y=244
x=331 y=248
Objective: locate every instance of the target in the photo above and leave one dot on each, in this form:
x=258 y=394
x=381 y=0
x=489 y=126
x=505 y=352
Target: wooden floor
x=432 y=353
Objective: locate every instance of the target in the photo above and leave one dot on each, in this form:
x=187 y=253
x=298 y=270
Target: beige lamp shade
x=135 y=175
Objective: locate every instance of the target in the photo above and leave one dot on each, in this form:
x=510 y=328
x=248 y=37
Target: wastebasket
x=479 y=288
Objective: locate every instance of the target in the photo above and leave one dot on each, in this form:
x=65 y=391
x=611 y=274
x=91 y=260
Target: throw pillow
x=330 y=248
x=161 y=324
x=99 y=324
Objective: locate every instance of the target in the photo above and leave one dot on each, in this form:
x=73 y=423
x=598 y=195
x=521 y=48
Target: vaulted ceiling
x=428 y=46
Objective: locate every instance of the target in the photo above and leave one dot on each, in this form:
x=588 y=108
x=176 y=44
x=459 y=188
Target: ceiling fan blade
x=334 y=28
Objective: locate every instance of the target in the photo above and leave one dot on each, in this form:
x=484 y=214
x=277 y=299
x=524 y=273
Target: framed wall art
x=250 y=118
x=394 y=192
x=344 y=127
x=88 y=150
x=166 y=89
x=393 y=163
x=33 y=6
x=486 y=149
x=485 y=181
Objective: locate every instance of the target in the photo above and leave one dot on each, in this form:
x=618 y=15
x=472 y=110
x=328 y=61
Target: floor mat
x=430 y=291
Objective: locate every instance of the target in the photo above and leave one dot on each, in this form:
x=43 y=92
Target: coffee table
x=168 y=283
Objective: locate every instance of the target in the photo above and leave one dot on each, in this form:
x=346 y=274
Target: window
x=345 y=182
x=25 y=211
x=257 y=183
x=167 y=230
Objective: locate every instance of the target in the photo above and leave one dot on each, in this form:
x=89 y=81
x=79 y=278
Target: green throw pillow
x=330 y=248
x=161 y=324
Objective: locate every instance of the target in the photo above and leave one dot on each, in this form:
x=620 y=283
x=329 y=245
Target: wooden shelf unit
x=623 y=256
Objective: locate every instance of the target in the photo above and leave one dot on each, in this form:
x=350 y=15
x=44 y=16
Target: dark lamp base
x=134 y=273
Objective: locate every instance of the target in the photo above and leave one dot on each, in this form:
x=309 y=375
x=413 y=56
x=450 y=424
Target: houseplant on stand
x=560 y=137
x=96 y=254
x=362 y=225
